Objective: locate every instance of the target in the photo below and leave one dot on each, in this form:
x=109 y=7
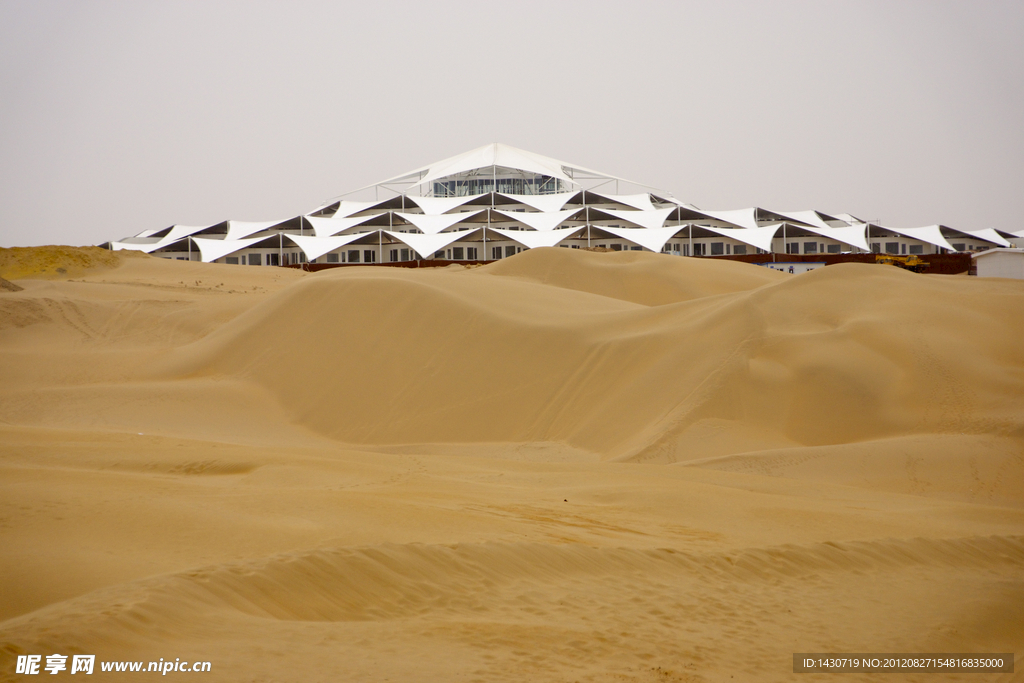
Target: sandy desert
x=564 y=466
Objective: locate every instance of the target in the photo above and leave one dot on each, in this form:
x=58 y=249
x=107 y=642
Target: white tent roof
x=325 y=227
x=540 y=221
x=314 y=247
x=756 y=237
x=637 y=201
x=179 y=231
x=431 y=225
x=146 y=247
x=426 y=245
x=987 y=234
x=239 y=229
x=211 y=250
x=853 y=235
x=809 y=217
x=932 y=234
x=433 y=206
x=495 y=154
x=542 y=202
x=537 y=238
x=745 y=218
x=346 y=208
x=654 y=218
x=652 y=238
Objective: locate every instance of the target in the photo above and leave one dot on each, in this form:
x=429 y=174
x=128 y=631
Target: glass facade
x=473 y=185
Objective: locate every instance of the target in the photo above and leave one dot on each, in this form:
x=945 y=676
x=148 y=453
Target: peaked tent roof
x=426 y=245
x=542 y=202
x=325 y=227
x=537 y=238
x=548 y=220
x=314 y=247
x=932 y=234
x=433 y=206
x=853 y=235
x=809 y=217
x=756 y=237
x=239 y=229
x=637 y=201
x=987 y=234
x=654 y=218
x=347 y=208
x=211 y=250
x=652 y=238
x=431 y=225
x=745 y=218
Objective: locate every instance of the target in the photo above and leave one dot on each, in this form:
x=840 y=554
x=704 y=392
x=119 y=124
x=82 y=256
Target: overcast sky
x=119 y=117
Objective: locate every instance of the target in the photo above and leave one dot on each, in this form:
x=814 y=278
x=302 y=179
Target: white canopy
x=809 y=217
x=346 y=208
x=652 y=238
x=146 y=247
x=542 y=202
x=988 y=235
x=433 y=206
x=314 y=247
x=211 y=250
x=932 y=234
x=239 y=229
x=431 y=225
x=654 y=218
x=179 y=231
x=540 y=221
x=495 y=154
x=755 y=237
x=744 y=218
x=853 y=235
x=325 y=227
x=426 y=245
x=637 y=201
x=537 y=238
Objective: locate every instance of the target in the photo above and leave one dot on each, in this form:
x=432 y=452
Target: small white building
x=1000 y=263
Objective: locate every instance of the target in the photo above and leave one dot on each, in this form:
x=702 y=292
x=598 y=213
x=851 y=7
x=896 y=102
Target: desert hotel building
x=493 y=202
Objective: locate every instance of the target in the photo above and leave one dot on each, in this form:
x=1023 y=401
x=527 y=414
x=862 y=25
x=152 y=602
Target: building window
x=369 y=256
x=793 y=248
x=332 y=258
x=457 y=254
x=892 y=247
x=918 y=248
x=740 y=249
x=959 y=246
x=495 y=253
x=405 y=254
x=254 y=260
x=717 y=248
x=393 y=255
x=834 y=248
x=616 y=247
x=231 y=260
x=510 y=251
x=353 y=256
x=272 y=260
x=876 y=248
x=904 y=248
x=810 y=247
x=471 y=253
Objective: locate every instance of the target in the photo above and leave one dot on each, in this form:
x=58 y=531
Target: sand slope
x=564 y=466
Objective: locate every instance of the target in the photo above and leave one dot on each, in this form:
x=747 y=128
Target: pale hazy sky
x=123 y=116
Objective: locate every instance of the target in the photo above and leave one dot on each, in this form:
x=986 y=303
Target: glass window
x=918 y=248
x=332 y=258
x=232 y=260
x=510 y=251
x=254 y=260
x=810 y=247
x=495 y=253
x=369 y=256
x=717 y=248
x=959 y=246
x=876 y=248
x=892 y=247
x=393 y=255
x=405 y=254
x=457 y=253
x=471 y=253
x=740 y=249
x=353 y=256
x=835 y=248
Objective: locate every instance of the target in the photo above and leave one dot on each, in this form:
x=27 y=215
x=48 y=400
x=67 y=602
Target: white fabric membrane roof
x=654 y=218
x=540 y=220
x=538 y=238
x=652 y=238
x=325 y=227
x=542 y=202
x=211 y=250
x=431 y=225
x=314 y=247
x=932 y=234
x=433 y=206
x=427 y=245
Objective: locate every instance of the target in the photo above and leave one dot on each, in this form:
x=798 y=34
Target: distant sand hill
x=561 y=466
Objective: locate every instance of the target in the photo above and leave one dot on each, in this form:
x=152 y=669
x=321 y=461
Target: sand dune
x=563 y=466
